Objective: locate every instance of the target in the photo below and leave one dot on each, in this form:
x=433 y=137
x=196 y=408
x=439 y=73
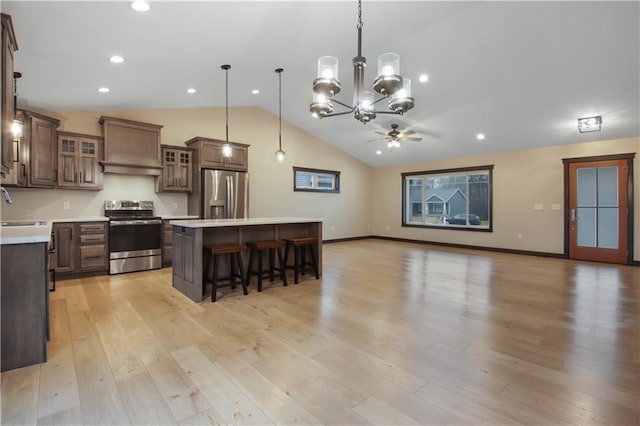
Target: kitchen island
x=25 y=292
x=190 y=236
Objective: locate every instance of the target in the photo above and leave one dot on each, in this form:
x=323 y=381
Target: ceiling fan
x=395 y=136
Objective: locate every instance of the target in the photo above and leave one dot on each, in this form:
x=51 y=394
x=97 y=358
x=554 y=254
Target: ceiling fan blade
x=374 y=140
x=411 y=139
x=408 y=133
x=381 y=133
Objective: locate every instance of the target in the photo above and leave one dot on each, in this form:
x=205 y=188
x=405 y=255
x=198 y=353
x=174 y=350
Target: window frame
x=404 y=177
x=335 y=189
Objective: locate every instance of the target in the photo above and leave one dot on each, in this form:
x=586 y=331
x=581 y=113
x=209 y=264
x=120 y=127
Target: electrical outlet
x=175 y=206
x=332 y=228
x=538 y=207
x=519 y=236
x=556 y=207
x=368 y=226
x=66 y=205
x=388 y=227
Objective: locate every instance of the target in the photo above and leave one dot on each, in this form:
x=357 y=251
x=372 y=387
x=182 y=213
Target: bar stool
x=300 y=247
x=236 y=268
x=259 y=248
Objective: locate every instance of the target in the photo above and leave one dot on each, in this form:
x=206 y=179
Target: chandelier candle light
x=280 y=154
x=388 y=83
x=227 y=150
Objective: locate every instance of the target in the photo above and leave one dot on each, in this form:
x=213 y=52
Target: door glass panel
x=586 y=190
x=586 y=226
x=607 y=186
x=608 y=228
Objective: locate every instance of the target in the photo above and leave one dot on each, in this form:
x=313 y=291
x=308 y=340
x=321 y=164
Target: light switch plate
x=538 y=207
x=556 y=207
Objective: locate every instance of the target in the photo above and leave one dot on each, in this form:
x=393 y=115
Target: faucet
x=6 y=195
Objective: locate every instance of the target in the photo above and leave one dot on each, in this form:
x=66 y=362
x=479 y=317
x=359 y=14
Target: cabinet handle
x=93 y=257
x=17 y=158
x=23 y=171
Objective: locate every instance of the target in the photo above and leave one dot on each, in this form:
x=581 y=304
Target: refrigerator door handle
x=230 y=195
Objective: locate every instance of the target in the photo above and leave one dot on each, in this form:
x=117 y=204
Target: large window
x=452 y=198
x=315 y=180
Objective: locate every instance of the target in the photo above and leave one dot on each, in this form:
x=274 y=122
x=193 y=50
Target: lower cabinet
x=187 y=243
x=81 y=247
x=25 y=301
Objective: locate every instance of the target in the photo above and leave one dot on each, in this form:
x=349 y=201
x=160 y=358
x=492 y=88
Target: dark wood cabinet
x=78 y=161
x=64 y=242
x=9 y=46
x=25 y=299
x=93 y=248
x=167 y=242
x=186 y=267
x=209 y=154
x=81 y=247
x=177 y=170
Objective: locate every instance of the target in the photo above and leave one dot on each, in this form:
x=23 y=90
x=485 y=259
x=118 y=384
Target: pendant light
x=280 y=154
x=227 y=150
x=16 y=125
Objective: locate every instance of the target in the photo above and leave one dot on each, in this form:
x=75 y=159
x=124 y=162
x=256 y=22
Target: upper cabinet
x=131 y=147
x=78 y=161
x=7 y=108
x=39 y=138
x=177 y=163
x=209 y=154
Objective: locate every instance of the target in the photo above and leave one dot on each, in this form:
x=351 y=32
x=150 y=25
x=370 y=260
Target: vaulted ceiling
x=521 y=73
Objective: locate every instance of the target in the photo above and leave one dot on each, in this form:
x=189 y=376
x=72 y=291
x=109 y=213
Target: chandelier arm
x=381 y=99
x=338 y=113
x=389 y=112
x=351 y=107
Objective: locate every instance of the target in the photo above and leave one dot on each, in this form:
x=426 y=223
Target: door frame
x=630 y=195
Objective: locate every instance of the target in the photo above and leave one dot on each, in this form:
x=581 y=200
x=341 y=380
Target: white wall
x=346 y=214
x=520 y=180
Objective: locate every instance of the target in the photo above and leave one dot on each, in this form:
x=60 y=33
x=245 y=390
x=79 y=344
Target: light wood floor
x=394 y=333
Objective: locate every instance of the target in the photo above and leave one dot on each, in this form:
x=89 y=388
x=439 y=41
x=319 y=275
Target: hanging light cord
x=279 y=71
x=226 y=70
x=359 y=27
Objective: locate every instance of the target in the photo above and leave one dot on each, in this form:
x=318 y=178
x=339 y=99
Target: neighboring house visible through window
x=452 y=198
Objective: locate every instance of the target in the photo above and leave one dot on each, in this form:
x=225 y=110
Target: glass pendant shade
x=389 y=79
x=388 y=64
x=327 y=81
x=227 y=150
x=367 y=101
x=280 y=156
x=401 y=101
x=16 y=128
x=320 y=106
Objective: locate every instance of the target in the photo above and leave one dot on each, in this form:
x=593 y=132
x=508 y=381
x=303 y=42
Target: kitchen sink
x=24 y=223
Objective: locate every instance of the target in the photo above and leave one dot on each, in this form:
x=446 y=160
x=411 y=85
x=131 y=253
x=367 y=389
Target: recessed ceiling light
x=423 y=78
x=191 y=90
x=140 y=6
x=255 y=91
x=480 y=136
x=378 y=152
x=116 y=59
x=103 y=90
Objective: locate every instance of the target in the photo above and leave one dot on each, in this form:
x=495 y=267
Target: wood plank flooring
x=393 y=333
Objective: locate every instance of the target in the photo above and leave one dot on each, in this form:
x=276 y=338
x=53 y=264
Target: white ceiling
x=519 y=72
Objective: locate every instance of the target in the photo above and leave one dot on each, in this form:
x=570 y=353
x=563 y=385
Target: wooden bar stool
x=236 y=268
x=300 y=247
x=259 y=248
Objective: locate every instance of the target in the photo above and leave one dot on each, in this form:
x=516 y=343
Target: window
x=315 y=180
x=451 y=199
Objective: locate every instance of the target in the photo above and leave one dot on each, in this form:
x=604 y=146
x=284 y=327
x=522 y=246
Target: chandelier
x=389 y=83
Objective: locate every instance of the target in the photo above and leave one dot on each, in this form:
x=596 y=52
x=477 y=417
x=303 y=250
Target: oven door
x=135 y=245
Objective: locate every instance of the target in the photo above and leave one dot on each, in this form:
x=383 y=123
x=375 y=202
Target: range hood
x=131 y=147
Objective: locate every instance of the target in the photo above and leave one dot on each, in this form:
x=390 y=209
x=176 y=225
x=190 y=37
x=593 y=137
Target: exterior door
x=599 y=210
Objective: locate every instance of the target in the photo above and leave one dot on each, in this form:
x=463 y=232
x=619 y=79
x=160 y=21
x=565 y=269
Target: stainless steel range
x=135 y=236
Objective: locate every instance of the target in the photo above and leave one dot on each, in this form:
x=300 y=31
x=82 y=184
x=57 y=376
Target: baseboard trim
x=341 y=240
x=453 y=245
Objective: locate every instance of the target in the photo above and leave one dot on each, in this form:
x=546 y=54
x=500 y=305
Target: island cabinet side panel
x=187 y=261
x=24 y=305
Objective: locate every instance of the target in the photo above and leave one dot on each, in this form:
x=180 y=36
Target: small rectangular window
x=452 y=199
x=315 y=180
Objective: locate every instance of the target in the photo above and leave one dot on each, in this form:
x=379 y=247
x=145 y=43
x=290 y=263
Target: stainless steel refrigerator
x=225 y=194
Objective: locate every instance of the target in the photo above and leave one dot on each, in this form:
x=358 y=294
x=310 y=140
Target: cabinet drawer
x=93 y=257
x=92 y=239
x=92 y=228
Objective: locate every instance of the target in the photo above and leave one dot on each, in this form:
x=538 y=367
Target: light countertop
x=26 y=234
x=218 y=223
x=178 y=216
